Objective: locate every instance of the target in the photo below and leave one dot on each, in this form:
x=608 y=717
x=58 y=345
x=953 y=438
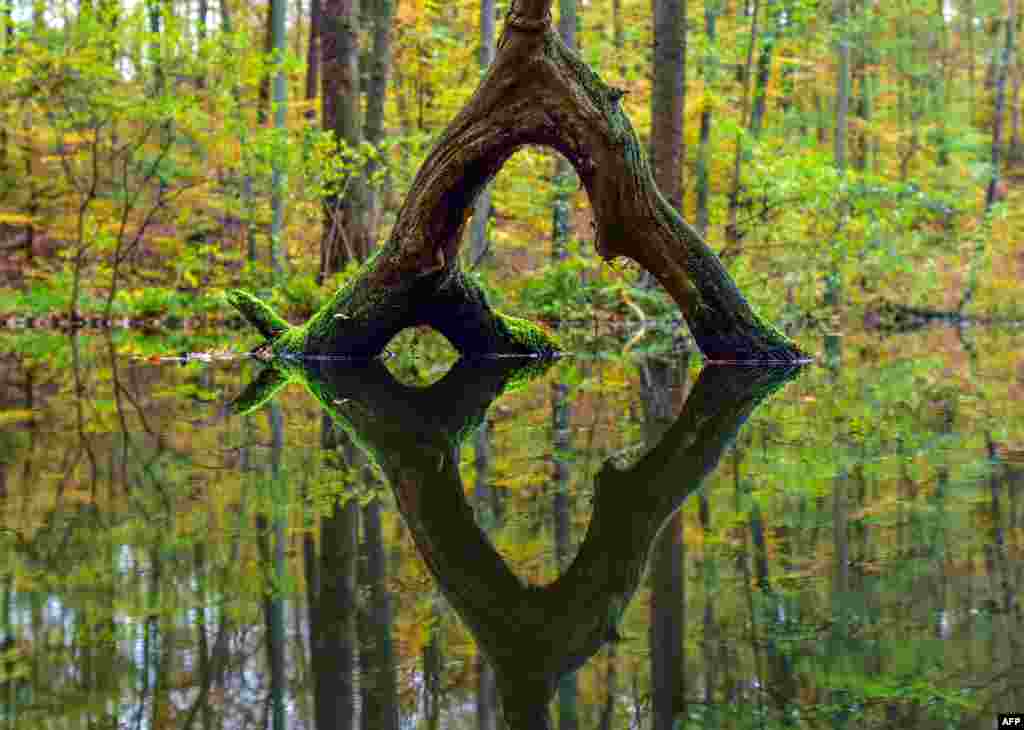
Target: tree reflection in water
x=532 y=635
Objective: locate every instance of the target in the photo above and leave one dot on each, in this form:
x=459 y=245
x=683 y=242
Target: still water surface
x=227 y=544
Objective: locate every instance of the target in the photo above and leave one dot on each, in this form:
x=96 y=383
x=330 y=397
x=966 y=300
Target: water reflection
x=532 y=635
x=853 y=560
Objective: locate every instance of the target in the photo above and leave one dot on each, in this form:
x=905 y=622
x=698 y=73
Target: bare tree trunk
x=732 y=229
x=478 y=240
x=564 y=180
x=263 y=103
x=344 y=234
x=668 y=103
x=313 y=51
x=201 y=28
x=277 y=181
x=833 y=283
x=969 y=16
x=709 y=70
x=1015 y=153
x=380 y=71
x=1000 y=105
x=764 y=69
x=842 y=86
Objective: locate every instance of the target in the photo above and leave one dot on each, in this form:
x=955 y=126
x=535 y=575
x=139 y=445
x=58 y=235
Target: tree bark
x=344 y=234
x=764 y=68
x=563 y=181
x=668 y=102
x=537 y=93
x=380 y=71
x=732 y=229
x=313 y=52
x=1000 y=105
x=668 y=98
x=277 y=182
x=709 y=70
x=1015 y=152
x=478 y=241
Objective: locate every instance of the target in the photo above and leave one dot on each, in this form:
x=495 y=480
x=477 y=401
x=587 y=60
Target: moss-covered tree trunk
x=536 y=92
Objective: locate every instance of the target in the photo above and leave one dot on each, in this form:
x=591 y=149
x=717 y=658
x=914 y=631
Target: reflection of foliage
x=899 y=430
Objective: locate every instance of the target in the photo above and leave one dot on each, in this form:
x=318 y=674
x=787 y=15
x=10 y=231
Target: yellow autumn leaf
x=14 y=416
x=15 y=219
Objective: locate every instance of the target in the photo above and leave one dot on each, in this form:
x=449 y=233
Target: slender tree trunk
x=380 y=71
x=478 y=239
x=969 y=16
x=201 y=28
x=833 y=284
x=709 y=70
x=344 y=234
x=564 y=178
x=1000 y=105
x=236 y=95
x=842 y=85
x=668 y=103
x=943 y=83
x=619 y=38
x=313 y=52
x=668 y=99
x=277 y=182
x=764 y=69
x=1015 y=153
x=154 y=9
x=868 y=93
x=733 y=233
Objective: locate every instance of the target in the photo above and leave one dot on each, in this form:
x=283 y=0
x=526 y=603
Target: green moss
x=527 y=334
x=258 y=313
x=270 y=380
x=292 y=342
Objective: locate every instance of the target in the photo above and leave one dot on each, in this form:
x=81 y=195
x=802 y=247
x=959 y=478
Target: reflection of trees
x=533 y=635
x=658 y=379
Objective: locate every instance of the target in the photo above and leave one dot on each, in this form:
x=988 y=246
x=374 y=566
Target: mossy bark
x=536 y=92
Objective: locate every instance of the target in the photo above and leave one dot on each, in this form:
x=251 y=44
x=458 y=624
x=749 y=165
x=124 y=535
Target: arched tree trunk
x=536 y=92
